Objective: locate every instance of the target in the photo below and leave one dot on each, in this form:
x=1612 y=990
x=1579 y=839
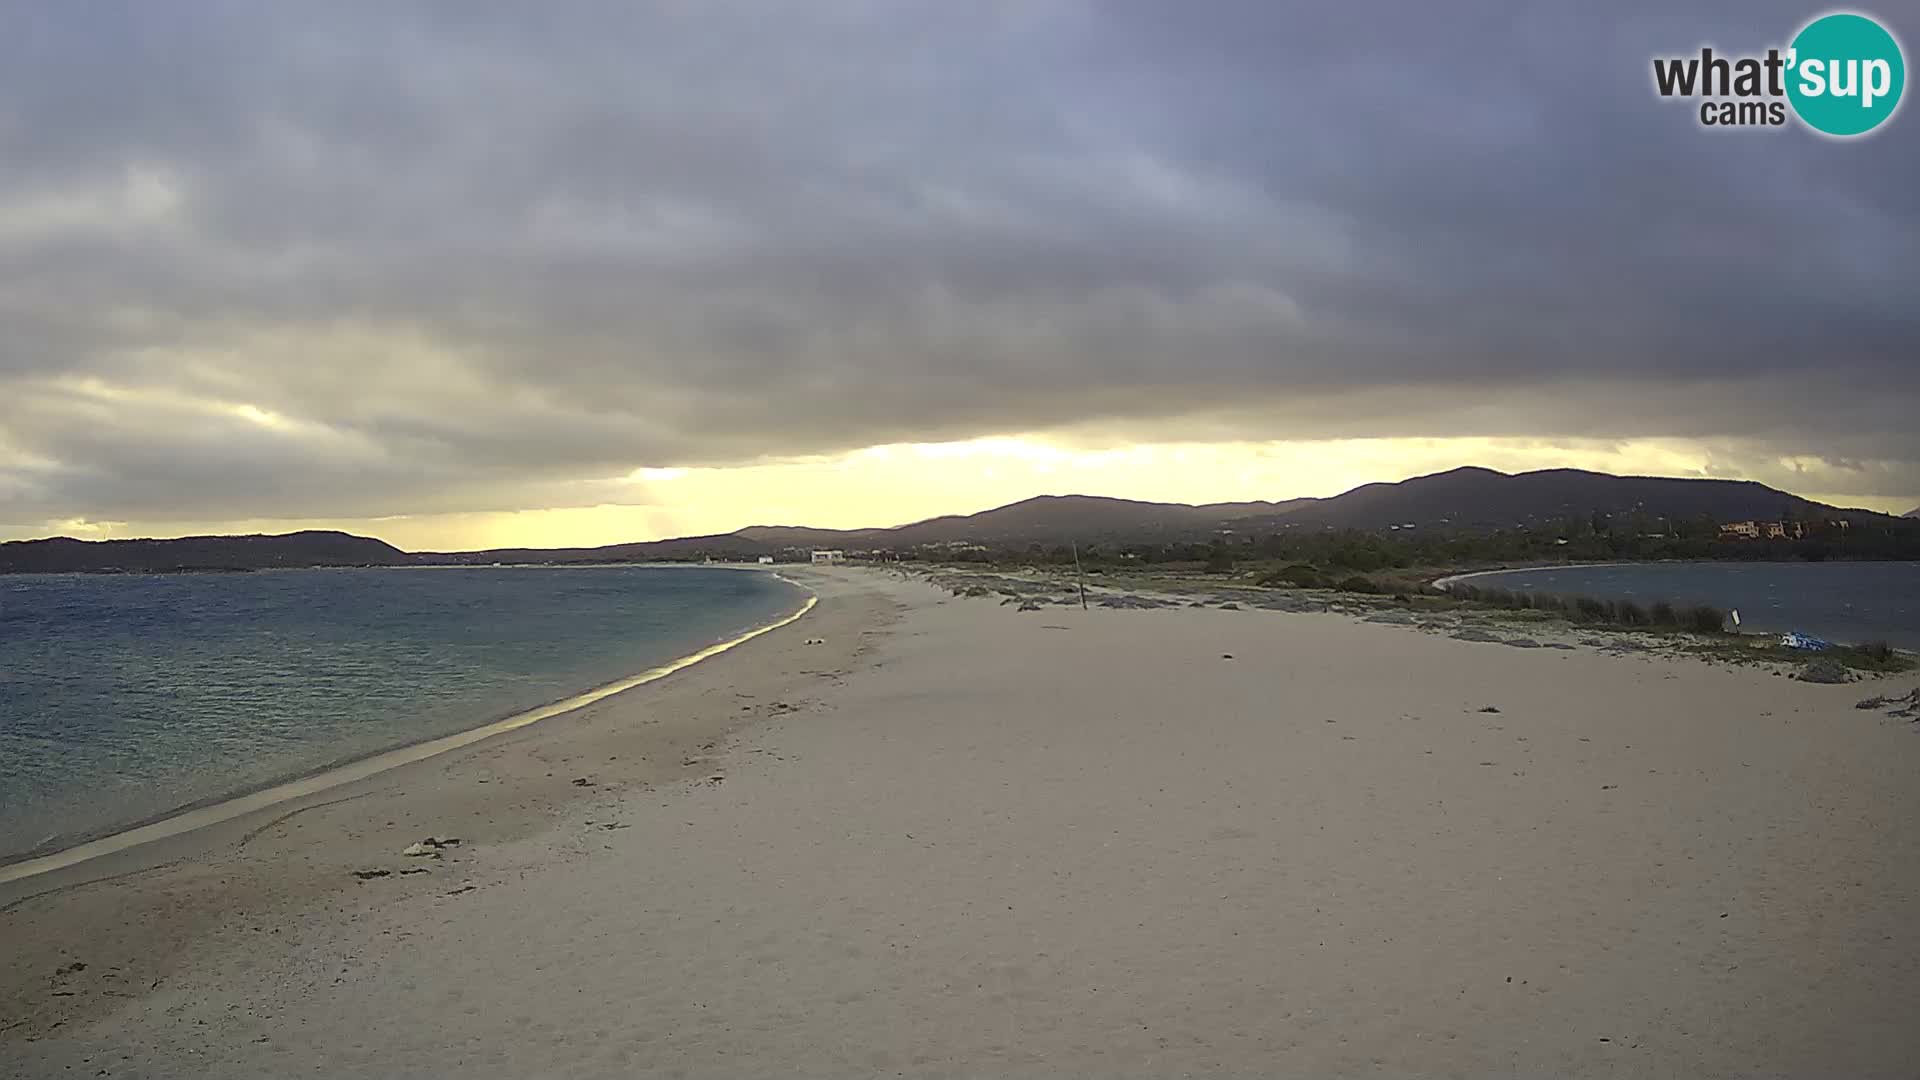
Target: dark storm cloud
x=465 y=256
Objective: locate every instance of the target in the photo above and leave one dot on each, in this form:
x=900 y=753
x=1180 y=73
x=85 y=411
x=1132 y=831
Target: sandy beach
x=957 y=839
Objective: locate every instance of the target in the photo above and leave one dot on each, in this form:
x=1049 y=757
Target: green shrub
x=1878 y=651
x=1706 y=618
x=1398 y=583
x=1593 y=609
x=1299 y=575
x=1359 y=583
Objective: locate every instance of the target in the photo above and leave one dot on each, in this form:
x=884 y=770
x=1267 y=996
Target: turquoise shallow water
x=125 y=697
x=1840 y=601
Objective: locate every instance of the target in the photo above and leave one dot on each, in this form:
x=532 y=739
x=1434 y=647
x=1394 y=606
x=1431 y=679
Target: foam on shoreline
x=1442 y=583
x=225 y=810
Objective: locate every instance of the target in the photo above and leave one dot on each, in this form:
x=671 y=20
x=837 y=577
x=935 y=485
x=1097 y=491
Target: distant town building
x=766 y=560
x=1758 y=530
x=828 y=556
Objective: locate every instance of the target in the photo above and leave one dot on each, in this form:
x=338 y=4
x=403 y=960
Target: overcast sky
x=467 y=272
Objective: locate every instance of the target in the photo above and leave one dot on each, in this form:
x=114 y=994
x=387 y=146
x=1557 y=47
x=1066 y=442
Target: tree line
x=1588 y=538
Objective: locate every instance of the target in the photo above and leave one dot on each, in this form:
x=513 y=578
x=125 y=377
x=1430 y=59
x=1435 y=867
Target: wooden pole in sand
x=1076 y=573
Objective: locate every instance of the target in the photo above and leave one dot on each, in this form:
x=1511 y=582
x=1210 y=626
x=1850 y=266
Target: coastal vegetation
x=1699 y=618
x=1339 y=553
x=1408 y=596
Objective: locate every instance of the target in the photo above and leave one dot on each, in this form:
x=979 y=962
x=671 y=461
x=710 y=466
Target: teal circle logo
x=1845 y=74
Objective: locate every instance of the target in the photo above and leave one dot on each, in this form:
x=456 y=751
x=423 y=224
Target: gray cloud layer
x=474 y=256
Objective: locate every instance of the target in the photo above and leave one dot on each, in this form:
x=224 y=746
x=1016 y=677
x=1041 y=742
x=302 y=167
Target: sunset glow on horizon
x=882 y=486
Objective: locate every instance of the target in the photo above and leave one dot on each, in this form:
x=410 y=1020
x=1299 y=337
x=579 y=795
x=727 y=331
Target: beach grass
x=1699 y=630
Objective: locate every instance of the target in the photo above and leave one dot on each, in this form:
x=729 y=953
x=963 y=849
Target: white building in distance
x=828 y=556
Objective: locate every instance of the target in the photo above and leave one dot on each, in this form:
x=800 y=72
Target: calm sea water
x=125 y=697
x=1840 y=601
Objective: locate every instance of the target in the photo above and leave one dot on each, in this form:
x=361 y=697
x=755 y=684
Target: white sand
x=983 y=845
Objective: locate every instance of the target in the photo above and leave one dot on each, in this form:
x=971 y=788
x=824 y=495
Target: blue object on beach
x=1794 y=639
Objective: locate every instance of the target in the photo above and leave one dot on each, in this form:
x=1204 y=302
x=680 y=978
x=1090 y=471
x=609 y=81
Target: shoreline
x=198 y=816
x=1738 y=628
x=930 y=835
x=137 y=919
x=218 y=570
x=1442 y=583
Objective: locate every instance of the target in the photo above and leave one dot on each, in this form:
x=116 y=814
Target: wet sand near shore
x=128 y=917
x=958 y=839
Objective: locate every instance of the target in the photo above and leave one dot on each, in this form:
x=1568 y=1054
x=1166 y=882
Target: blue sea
x=123 y=698
x=1841 y=601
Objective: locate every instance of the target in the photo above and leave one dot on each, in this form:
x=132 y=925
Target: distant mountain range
x=66 y=555
x=1467 y=499
x=1475 y=498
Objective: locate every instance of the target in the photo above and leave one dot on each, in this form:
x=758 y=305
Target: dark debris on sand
x=1825 y=670
x=1905 y=706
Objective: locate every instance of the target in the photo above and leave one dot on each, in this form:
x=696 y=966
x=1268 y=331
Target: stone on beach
x=1825 y=670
